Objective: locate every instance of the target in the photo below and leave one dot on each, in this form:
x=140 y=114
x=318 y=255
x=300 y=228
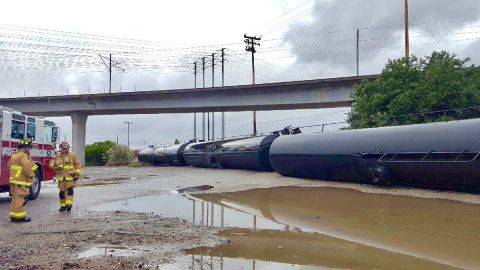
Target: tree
x=404 y=91
x=176 y=141
x=95 y=153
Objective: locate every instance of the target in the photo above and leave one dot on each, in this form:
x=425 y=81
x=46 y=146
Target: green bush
x=95 y=153
x=119 y=155
x=405 y=90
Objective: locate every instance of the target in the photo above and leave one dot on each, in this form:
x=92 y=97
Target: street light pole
x=128 y=132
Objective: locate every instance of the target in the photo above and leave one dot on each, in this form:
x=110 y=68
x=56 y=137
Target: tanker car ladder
x=426 y=157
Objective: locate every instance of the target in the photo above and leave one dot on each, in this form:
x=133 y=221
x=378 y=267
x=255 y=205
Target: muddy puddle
x=192 y=209
x=312 y=228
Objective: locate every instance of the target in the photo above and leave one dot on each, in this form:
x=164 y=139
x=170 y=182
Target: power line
x=259 y=28
x=292 y=119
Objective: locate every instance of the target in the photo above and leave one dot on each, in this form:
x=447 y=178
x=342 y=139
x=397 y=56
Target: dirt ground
x=56 y=240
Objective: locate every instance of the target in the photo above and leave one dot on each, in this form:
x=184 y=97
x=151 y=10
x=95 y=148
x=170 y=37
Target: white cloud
x=308 y=51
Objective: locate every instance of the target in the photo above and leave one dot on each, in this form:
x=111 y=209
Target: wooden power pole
x=407 y=38
x=251 y=43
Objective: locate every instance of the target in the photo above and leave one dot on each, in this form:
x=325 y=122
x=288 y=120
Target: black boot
x=19 y=220
x=69 y=208
x=62 y=208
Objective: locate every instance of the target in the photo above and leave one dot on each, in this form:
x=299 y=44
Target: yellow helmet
x=64 y=145
x=24 y=143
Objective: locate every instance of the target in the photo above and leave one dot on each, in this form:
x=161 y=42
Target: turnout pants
x=66 y=192
x=19 y=193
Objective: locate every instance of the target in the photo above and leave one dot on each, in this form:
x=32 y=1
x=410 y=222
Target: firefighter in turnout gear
x=67 y=168
x=22 y=170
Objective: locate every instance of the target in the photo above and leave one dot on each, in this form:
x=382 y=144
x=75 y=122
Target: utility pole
x=358 y=51
x=109 y=66
x=213 y=85
x=203 y=114
x=251 y=42
x=223 y=84
x=195 y=114
x=407 y=38
x=128 y=132
x=110 y=72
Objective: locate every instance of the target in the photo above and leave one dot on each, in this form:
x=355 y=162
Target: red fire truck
x=14 y=126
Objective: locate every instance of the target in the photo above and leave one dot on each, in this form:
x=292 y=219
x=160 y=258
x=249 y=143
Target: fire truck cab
x=14 y=126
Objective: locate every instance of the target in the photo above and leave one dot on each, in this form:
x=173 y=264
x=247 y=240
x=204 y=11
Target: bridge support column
x=79 y=128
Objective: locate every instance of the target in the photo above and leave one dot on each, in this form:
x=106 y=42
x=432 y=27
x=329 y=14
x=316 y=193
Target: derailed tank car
x=146 y=154
x=202 y=154
x=164 y=155
x=436 y=155
x=173 y=155
x=157 y=157
x=248 y=154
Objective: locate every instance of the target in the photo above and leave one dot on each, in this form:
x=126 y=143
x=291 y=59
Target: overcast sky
x=50 y=46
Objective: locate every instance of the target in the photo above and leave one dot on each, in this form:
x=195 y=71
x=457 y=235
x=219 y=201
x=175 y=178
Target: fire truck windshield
x=18 y=130
x=50 y=134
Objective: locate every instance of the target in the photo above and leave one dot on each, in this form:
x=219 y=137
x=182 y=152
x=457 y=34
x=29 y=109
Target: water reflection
x=292 y=250
x=205 y=262
x=326 y=227
x=196 y=210
x=441 y=231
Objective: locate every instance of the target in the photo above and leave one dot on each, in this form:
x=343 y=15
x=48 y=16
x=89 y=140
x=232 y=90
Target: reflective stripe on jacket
x=22 y=169
x=66 y=166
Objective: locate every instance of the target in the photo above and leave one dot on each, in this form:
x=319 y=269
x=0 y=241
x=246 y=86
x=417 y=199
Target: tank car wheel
x=36 y=185
x=381 y=176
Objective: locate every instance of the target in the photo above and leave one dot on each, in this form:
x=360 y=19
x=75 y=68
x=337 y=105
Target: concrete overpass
x=323 y=93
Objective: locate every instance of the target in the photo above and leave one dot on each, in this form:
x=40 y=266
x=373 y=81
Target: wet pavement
x=301 y=228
